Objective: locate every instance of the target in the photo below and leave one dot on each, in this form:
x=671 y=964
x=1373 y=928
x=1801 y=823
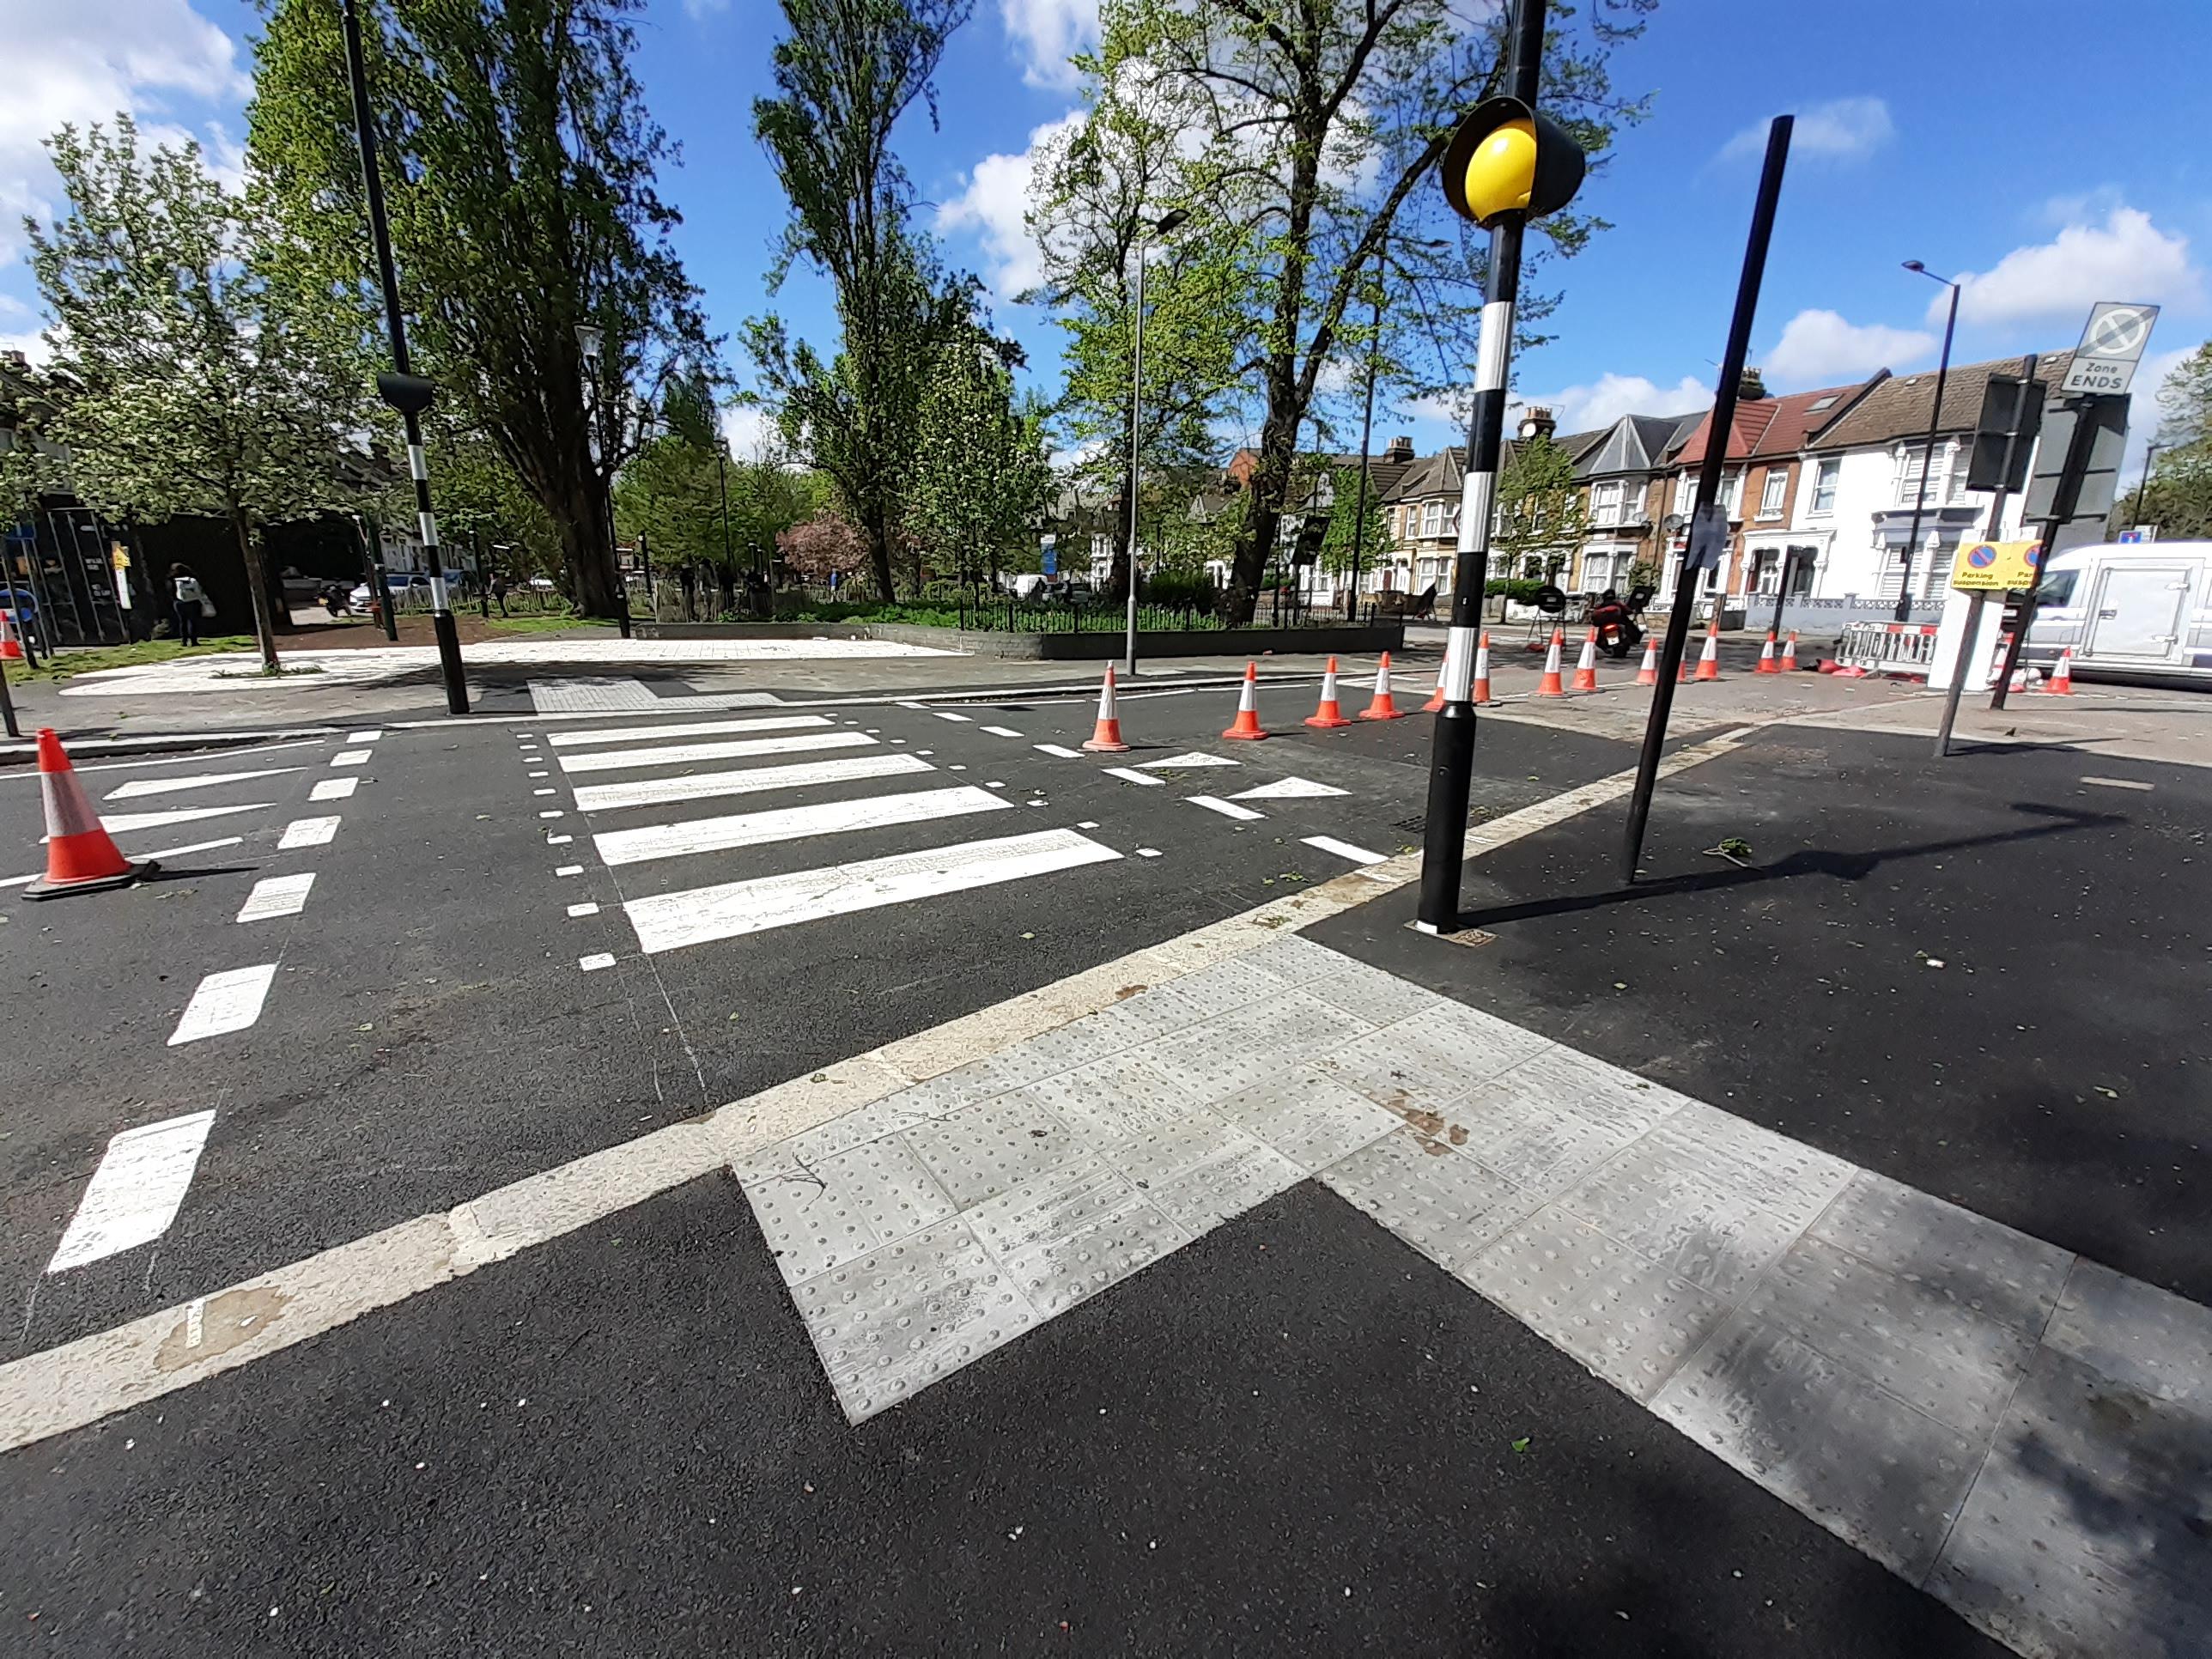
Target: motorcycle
x=1618 y=631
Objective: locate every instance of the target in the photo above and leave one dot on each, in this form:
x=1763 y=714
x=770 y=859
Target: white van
x=2142 y=611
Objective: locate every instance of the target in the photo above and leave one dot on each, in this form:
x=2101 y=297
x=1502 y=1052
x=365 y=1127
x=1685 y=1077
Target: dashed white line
x=135 y=1192
x=597 y=960
x=276 y=895
x=1345 y=849
x=227 y=1001
x=2102 y=783
x=555 y=813
x=1000 y=731
x=947 y=714
x=544 y=792
x=587 y=909
x=307 y=832
x=369 y=736
x=351 y=757
x=558 y=841
x=1227 y=809
x=334 y=789
x=541 y=774
x=568 y=869
x=1058 y=750
x=1130 y=775
x=140 y=787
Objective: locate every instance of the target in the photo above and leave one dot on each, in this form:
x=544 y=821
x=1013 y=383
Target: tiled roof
x=1898 y=407
x=1773 y=425
x=1433 y=474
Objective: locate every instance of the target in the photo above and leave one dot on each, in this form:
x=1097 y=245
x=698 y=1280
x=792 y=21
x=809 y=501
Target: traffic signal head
x=1506 y=158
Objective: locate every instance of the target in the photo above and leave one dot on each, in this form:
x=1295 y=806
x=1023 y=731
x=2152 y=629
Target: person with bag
x=189 y=603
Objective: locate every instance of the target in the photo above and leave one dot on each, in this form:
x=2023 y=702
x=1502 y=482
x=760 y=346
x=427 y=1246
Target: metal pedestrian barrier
x=1889 y=647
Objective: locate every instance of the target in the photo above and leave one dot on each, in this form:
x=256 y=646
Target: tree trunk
x=257 y=590
x=1117 y=566
x=1263 y=519
x=875 y=525
x=586 y=551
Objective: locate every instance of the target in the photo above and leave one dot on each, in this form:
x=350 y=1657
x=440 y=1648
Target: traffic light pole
x=1451 y=766
x=401 y=388
x=1718 y=426
x=2064 y=498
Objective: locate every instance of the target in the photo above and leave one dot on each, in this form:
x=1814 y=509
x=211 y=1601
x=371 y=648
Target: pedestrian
x=499 y=590
x=187 y=602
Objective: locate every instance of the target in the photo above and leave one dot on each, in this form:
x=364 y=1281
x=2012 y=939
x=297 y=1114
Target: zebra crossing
x=830 y=820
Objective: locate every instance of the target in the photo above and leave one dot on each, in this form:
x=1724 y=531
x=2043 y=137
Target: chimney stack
x=1751 y=387
x=1537 y=423
x=1400 y=449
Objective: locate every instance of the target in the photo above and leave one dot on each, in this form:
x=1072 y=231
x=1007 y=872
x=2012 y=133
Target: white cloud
x=84 y=61
x=992 y=209
x=32 y=344
x=1819 y=347
x=1846 y=129
x=700 y=10
x=1605 y=399
x=2125 y=258
x=1045 y=32
x=749 y=431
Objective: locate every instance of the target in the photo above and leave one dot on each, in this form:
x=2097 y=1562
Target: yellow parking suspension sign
x=1997 y=566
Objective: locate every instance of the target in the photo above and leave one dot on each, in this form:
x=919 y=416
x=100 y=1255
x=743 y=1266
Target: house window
x=1732 y=493
x=1909 y=468
x=1432 y=518
x=1956 y=458
x=1605 y=502
x=1770 y=494
x=1823 y=486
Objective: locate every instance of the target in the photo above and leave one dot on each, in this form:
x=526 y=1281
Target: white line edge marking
x=1000 y=731
x=568 y=869
x=334 y=789
x=1227 y=809
x=308 y=832
x=134 y=1192
x=276 y=895
x=226 y=1001
x=1059 y=751
x=139 y=787
x=597 y=960
x=1345 y=849
x=1130 y=775
x=587 y=909
x=2118 y=783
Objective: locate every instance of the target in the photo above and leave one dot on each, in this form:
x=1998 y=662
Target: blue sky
x=1946 y=130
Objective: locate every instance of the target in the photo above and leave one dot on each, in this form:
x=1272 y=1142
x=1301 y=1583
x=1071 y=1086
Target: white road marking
x=1059 y=751
x=1088 y=824
x=947 y=714
x=662 y=841
x=558 y=841
x=1290 y=789
x=351 y=757
x=1130 y=775
x=139 y=786
x=1227 y=809
x=661 y=792
x=695 y=729
x=227 y=1001
x=135 y=1192
x=1345 y=849
x=669 y=921
x=334 y=789
x=276 y=895
x=568 y=869
x=556 y=813
x=307 y=832
x=1189 y=760
x=153 y=853
x=597 y=960
x=1000 y=731
x=678 y=754
x=122 y=824
x=541 y=774
x=587 y=909
x=369 y=736
x=1148 y=851
x=544 y=792
x=2102 y=783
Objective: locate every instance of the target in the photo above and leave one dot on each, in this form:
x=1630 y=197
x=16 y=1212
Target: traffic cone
x=1766 y=663
x=1106 y=736
x=1549 y=686
x=1790 y=654
x=1381 y=706
x=11 y=647
x=2061 y=683
x=1648 y=673
x=80 y=856
x=1437 y=698
x=1709 y=660
x=1586 y=670
x=1246 y=726
x=1328 y=715
x=1481 y=690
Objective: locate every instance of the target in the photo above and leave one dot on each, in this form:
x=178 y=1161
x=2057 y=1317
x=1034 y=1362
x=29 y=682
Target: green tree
x=845 y=72
x=1541 y=509
x=196 y=385
x=671 y=491
x=979 y=478
x=1318 y=128
x=1337 y=542
x=2177 y=496
x=519 y=163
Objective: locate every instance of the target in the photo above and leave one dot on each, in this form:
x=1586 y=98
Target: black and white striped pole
x=406 y=391
x=1505 y=165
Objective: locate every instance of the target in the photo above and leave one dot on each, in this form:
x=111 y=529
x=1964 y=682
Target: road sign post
x=2026 y=412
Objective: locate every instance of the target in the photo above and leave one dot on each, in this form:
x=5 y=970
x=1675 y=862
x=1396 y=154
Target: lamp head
x=1507 y=159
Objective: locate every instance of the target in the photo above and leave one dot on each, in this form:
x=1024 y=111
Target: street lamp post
x=589 y=338
x=2150 y=454
x=1927 y=454
x=1367 y=417
x=404 y=390
x=1164 y=226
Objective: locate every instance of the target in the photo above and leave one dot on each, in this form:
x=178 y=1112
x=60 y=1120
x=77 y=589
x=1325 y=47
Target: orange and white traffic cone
x=1549 y=686
x=1382 y=706
x=1709 y=660
x=1586 y=670
x=1435 y=697
x=2061 y=683
x=1106 y=736
x=1328 y=715
x=11 y=645
x=1648 y=674
x=1480 y=692
x=80 y=856
x=1766 y=662
x=1790 y=654
x=1246 y=726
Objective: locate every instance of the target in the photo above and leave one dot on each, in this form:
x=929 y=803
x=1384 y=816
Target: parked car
x=2142 y=611
x=404 y=587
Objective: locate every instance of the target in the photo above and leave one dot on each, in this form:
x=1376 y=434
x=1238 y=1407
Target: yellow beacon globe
x=1502 y=171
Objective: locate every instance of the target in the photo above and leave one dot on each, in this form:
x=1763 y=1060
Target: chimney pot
x=1750 y=387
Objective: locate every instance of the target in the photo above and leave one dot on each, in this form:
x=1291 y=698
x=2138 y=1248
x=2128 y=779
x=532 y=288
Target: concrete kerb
x=163 y=743
x=79 y=1383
